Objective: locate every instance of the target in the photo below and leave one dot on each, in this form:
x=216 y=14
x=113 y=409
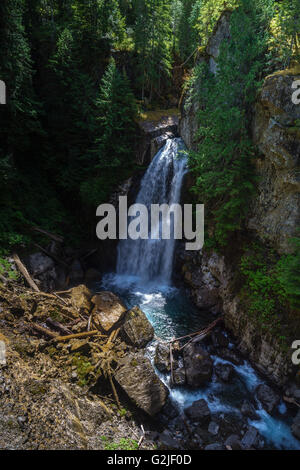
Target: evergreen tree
x=152 y=33
x=113 y=151
x=185 y=36
x=223 y=161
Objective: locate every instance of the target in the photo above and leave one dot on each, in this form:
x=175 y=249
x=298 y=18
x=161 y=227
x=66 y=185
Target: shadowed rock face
x=276 y=209
x=138 y=379
x=198 y=364
x=154 y=135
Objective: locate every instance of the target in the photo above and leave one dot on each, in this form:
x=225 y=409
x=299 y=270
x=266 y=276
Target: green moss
x=263 y=293
x=123 y=444
x=83 y=368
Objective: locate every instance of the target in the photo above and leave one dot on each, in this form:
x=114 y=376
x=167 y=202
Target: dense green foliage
x=75 y=71
x=222 y=163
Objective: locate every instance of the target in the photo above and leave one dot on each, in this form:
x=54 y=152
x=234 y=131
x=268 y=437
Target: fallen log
x=205 y=331
x=44 y=331
x=58 y=326
x=25 y=273
x=291 y=400
x=85 y=334
x=56 y=238
x=3 y=279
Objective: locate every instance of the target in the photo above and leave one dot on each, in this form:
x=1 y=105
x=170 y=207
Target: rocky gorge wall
x=274 y=214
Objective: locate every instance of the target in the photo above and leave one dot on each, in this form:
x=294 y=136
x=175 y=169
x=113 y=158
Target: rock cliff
x=274 y=214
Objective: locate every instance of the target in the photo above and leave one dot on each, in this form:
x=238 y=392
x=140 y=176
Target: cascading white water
x=152 y=260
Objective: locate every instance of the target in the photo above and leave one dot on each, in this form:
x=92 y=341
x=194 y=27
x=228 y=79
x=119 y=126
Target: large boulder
x=137 y=377
x=47 y=273
x=81 y=299
x=267 y=397
x=198 y=364
x=137 y=330
x=198 y=412
x=108 y=310
x=162 y=357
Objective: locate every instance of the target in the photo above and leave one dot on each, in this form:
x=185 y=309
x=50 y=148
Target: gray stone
x=137 y=330
x=162 y=357
x=250 y=439
x=233 y=442
x=137 y=377
x=248 y=410
x=179 y=376
x=267 y=397
x=198 y=412
x=198 y=364
x=224 y=372
x=213 y=428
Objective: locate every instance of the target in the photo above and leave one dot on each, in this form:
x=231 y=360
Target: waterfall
x=152 y=260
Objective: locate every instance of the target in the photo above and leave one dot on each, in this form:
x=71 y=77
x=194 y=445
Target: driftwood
x=3 y=279
x=59 y=298
x=56 y=238
x=291 y=400
x=44 y=331
x=25 y=273
x=205 y=331
x=87 y=255
x=114 y=391
x=142 y=437
x=85 y=334
x=58 y=326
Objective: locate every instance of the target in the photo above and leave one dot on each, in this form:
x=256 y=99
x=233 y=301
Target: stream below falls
x=143 y=278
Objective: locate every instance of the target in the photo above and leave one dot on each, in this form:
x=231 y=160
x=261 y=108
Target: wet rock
x=162 y=357
x=248 y=410
x=233 y=442
x=167 y=441
x=158 y=142
x=215 y=446
x=267 y=397
x=170 y=410
x=198 y=411
x=137 y=330
x=179 y=376
x=138 y=379
x=198 y=364
x=224 y=372
x=296 y=426
x=108 y=310
x=231 y=356
x=219 y=339
x=213 y=428
x=250 y=439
